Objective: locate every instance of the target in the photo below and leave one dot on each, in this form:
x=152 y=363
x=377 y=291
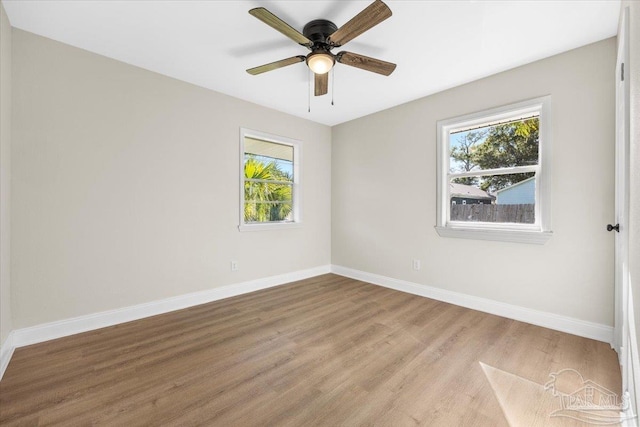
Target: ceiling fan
x=320 y=36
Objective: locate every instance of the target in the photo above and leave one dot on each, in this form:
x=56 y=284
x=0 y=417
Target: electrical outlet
x=416 y=264
x=234 y=265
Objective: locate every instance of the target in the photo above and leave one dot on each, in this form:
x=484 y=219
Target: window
x=499 y=160
x=269 y=181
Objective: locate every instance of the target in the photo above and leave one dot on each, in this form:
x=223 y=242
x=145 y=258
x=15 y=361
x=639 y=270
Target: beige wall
x=125 y=189
x=5 y=175
x=125 y=186
x=384 y=192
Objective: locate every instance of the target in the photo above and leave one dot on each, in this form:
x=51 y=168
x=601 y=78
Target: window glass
x=512 y=204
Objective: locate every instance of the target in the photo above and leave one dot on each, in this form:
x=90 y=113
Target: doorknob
x=613 y=227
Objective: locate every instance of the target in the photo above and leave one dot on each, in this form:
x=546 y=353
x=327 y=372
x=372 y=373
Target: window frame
x=537 y=233
x=296 y=220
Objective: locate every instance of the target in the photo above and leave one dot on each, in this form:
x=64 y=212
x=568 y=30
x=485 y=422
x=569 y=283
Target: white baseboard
x=6 y=351
x=540 y=318
x=62 y=328
x=76 y=325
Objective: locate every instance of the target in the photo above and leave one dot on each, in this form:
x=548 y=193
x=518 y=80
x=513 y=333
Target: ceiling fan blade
x=276 y=23
x=321 y=84
x=275 y=65
x=365 y=63
x=371 y=16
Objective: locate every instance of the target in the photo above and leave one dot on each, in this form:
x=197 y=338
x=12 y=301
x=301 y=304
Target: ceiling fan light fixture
x=320 y=62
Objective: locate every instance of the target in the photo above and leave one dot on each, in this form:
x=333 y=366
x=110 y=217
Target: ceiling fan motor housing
x=318 y=31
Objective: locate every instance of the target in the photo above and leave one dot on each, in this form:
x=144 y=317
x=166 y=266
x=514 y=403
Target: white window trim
x=537 y=233
x=297 y=203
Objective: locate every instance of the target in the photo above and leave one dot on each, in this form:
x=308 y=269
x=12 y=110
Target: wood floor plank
x=323 y=351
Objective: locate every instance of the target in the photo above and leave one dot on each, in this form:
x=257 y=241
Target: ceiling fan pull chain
x=333 y=82
x=309 y=92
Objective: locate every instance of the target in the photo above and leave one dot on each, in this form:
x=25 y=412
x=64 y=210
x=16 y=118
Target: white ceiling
x=436 y=44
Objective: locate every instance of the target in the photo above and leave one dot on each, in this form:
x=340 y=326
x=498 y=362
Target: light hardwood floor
x=322 y=351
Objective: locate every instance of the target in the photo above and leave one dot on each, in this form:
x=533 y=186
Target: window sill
x=269 y=226
x=500 y=235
